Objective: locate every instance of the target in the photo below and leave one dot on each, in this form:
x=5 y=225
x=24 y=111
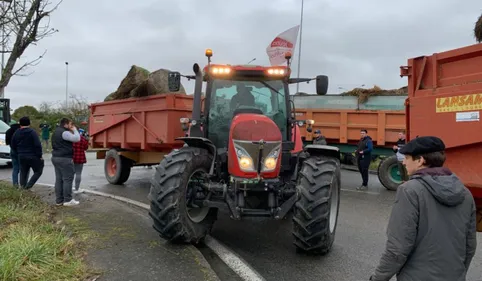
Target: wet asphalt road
x=267 y=245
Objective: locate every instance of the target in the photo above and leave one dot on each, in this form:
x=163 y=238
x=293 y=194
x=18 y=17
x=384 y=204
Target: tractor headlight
x=269 y=163
x=245 y=161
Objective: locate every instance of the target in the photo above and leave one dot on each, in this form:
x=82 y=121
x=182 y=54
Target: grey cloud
x=354 y=42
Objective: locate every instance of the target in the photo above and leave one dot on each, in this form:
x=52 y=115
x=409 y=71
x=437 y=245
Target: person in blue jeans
x=13 y=155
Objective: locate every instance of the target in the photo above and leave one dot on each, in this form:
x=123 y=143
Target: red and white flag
x=284 y=42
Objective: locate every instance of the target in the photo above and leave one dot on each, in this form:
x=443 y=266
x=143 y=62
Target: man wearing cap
x=319 y=139
x=432 y=228
x=26 y=144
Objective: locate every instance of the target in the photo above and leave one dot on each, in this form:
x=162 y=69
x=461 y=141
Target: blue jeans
x=15 y=166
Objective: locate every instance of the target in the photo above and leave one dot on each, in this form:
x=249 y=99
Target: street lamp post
x=66 y=84
x=299 y=49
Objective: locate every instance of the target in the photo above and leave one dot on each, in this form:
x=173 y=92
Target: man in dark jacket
x=62 y=152
x=319 y=138
x=363 y=156
x=13 y=155
x=432 y=228
x=26 y=143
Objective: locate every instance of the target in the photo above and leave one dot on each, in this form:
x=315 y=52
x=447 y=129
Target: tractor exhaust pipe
x=196 y=110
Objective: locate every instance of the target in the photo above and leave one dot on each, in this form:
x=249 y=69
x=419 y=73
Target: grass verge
x=32 y=245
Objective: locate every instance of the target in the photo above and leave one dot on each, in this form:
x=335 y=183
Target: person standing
x=431 y=233
x=26 y=144
x=13 y=154
x=79 y=158
x=396 y=148
x=319 y=138
x=63 y=138
x=363 y=156
x=45 y=129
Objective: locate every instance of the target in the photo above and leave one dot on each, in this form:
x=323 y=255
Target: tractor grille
x=253 y=149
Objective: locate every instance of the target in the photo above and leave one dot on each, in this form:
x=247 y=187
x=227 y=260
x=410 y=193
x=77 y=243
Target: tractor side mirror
x=174 y=81
x=321 y=85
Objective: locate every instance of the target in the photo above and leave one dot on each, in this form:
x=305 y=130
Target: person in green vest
x=45 y=132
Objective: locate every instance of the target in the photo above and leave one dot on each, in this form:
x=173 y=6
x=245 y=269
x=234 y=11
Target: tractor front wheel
x=315 y=214
x=174 y=189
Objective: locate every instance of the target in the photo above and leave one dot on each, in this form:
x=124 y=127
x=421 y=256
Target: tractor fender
x=201 y=143
x=320 y=149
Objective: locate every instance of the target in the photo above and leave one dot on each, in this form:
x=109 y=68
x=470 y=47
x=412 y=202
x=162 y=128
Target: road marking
x=360 y=191
x=229 y=257
x=236 y=263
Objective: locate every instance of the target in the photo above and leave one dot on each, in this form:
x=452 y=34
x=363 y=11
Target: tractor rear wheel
x=174 y=185
x=117 y=168
x=315 y=214
x=389 y=173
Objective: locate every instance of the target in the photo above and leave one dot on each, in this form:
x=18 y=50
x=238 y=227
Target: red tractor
x=243 y=153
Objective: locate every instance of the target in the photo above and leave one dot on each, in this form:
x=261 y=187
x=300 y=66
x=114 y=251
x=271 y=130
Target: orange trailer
x=136 y=131
x=340 y=119
x=445 y=100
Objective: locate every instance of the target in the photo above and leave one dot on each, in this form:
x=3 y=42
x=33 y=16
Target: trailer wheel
x=117 y=168
x=174 y=187
x=315 y=214
x=389 y=174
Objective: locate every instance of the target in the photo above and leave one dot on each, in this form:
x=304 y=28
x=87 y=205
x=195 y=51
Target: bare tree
x=23 y=22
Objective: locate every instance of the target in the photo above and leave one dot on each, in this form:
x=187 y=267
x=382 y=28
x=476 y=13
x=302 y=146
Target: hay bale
x=364 y=94
x=478 y=30
x=157 y=83
x=134 y=78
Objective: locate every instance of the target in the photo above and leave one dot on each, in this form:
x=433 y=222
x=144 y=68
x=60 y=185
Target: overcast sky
x=353 y=42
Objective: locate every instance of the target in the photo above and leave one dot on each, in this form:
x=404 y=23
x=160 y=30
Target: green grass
x=32 y=245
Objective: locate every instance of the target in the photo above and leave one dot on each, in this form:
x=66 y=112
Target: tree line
x=49 y=113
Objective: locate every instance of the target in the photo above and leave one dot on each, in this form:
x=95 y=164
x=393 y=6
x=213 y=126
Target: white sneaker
x=75 y=191
x=72 y=202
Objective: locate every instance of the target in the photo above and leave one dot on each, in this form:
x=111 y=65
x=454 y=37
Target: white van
x=4 y=148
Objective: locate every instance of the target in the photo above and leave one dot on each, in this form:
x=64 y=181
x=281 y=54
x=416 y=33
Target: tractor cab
x=234 y=90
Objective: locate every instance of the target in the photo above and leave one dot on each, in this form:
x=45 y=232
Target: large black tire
x=387 y=170
x=117 y=168
x=168 y=197
x=315 y=214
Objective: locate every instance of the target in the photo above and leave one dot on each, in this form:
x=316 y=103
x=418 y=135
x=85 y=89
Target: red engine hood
x=246 y=134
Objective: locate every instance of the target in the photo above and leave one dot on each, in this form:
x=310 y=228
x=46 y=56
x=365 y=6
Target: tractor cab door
x=230 y=97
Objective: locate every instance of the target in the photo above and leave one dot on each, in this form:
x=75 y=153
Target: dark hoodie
x=9 y=133
x=26 y=143
x=432 y=229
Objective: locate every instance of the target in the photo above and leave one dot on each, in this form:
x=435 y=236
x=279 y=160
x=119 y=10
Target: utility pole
x=66 y=85
x=4 y=39
x=299 y=49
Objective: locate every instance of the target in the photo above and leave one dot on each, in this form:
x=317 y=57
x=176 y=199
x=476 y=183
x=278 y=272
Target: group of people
x=68 y=157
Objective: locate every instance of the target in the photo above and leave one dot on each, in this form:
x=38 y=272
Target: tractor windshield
x=229 y=95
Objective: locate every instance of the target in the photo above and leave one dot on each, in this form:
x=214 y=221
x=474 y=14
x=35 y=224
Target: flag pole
x=299 y=49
